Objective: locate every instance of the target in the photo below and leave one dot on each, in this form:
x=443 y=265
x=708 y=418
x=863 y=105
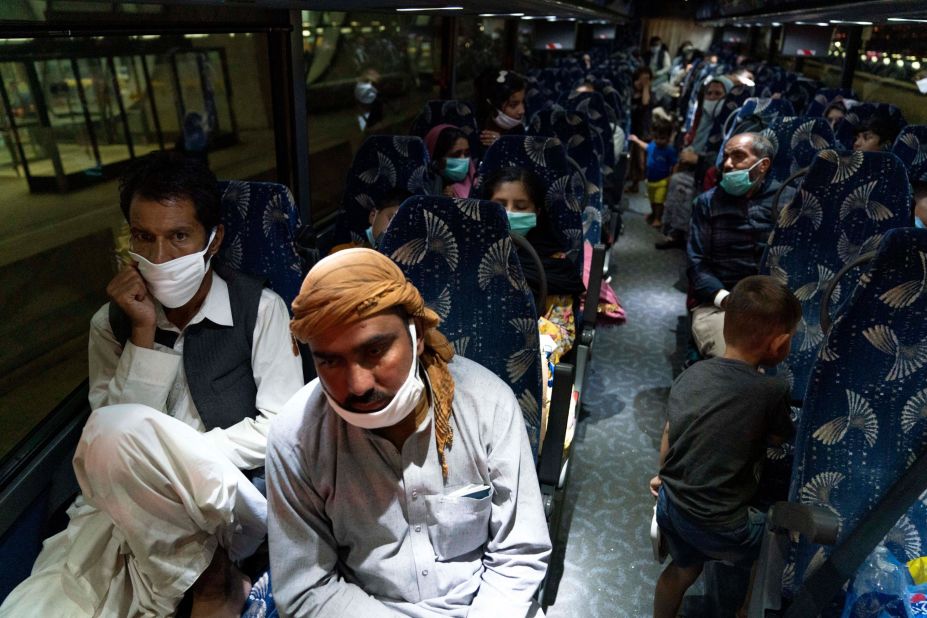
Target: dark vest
x=216 y=359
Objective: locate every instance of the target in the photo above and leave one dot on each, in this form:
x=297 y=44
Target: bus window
x=75 y=112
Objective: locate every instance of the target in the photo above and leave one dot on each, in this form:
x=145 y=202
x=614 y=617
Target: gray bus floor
x=608 y=567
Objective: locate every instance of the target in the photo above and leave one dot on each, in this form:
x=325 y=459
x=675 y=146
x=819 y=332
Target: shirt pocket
x=457 y=525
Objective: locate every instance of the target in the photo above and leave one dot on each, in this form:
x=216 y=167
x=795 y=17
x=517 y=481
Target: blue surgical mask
x=919 y=224
x=737 y=182
x=522 y=222
x=370 y=238
x=456 y=169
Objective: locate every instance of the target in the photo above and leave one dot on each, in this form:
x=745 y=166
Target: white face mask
x=402 y=404
x=505 y=121
x=710 y=107
x=175 y=282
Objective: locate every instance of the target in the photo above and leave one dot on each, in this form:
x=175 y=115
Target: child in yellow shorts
x=661 y=158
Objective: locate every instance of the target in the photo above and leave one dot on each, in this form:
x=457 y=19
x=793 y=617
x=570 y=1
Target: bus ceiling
x=778 y=12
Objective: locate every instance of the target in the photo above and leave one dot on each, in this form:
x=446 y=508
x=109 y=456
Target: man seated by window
x=187 y=369
x=728 y=234
x=401 y=481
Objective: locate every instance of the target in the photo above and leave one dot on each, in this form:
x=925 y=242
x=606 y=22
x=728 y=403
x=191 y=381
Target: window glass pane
x=62 y=230
x=399 y=54
x=480 y=45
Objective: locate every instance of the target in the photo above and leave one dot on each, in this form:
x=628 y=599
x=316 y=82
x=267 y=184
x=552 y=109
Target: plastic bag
x=879 y=588
x=918 y=570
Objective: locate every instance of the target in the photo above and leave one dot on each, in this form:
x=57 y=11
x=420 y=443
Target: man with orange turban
x=395 y=478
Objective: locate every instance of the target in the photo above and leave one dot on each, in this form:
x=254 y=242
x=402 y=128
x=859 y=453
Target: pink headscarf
x=462 y=188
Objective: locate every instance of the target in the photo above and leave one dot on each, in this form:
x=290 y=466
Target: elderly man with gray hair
x=728 y=234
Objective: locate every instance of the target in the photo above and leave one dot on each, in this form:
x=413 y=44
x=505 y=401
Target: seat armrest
x=817 y=524
x=550 y=459
x=596 y=269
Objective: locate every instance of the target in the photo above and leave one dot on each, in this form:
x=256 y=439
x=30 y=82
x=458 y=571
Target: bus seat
x=457 y=113
x=911 y=148
x=845 y=204
x=584 y=146
x=798 y=140
x=547 y=158
x=459 y=255
x=864 y=422
x=800 y=92
x=845 y=131
x=383 y=163
x=593 y=105
x=262 y=224
x=825 y=96
x=732 y=101
x=537 y=97
x=767 y=109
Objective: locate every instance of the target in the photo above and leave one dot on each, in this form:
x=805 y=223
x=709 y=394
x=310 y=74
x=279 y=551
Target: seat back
x=593 y=105
x=584 y=146
x=865 y=415
x=798 y=140
x=537 y=97
x=459 y=255
x=383 y=163
x=448 y=111
x=732 y=101
x=845 y=131
x=547 y=158
x=845 y=204
x=824 y=97
x=799 y=93
x=754 y=114
x=911 y=148
x=261 y=222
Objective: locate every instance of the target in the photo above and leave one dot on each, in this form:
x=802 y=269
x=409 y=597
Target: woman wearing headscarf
x=700 y=151
x=451 y=159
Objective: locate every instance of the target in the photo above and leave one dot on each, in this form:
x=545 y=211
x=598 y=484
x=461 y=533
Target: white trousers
x=156 y=501
x=708 y=330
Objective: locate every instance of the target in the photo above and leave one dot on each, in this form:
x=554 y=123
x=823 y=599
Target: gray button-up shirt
x=358 y=528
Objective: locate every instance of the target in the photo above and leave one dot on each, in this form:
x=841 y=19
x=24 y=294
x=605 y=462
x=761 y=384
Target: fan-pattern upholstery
x=845 y=131
x=798 y=140
x=583 y=146
x=448 y=111
x=824 y=97
x=260 y=603
x=865 y=416
x=800 y=92
x=593 y=105
x=911 y=148
x=547 y=158
x=261 y=221
x=382 y=164
x=537 y=97
x=846 y=203
x=733 y=100
x=459 y=255
x=768 y=110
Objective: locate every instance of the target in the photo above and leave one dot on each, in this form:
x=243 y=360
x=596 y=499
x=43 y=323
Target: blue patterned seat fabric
x=732 y=101
x=382 y=164
x=824 y=97
x=448 y=111
x=800 y=92
x=459 y=255
x=537 y=97
x=260 y=603
x=584 y=146
x=593 y=105
x=845 y=131
x=911 y=148
x=261 y=221
x=798 y=140
x=547 y=158
x=844 y=206
x=865 y=416
x=768 y=110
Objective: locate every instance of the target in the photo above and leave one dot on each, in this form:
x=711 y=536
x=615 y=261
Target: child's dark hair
x=395 y=197
x=759 y=307
x=662 y=129
x=446 y=140
x=534 y=186
x=640 y=71
x=165 y=175
x=883 y=126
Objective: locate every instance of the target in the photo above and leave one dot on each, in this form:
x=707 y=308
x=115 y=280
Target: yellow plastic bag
x=918 y=569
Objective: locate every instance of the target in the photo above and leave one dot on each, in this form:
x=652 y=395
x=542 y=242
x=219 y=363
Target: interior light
x=776 y=24
x=916 y=65
x=430 y=8
x=306 y=33
x=886 y=61
x=502 y=14
x=907 y=19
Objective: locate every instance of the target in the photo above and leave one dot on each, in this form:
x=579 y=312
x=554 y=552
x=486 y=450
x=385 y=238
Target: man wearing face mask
x=395 y=478
x=728 y=233
x=187 y=369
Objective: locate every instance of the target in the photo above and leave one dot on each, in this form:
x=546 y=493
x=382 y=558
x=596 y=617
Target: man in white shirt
x=401 y=481
x=187 y=370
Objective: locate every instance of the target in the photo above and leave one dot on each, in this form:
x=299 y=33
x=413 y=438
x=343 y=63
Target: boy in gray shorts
x=721 y=415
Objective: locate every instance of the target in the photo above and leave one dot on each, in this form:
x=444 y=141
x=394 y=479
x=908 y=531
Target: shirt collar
x=216 y=307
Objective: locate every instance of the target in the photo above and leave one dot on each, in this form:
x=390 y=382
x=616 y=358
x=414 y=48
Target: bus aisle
x=609 y=569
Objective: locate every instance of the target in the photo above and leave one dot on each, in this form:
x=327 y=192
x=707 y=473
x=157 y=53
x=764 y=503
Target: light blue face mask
x=456 y=169
x=522 y=222
x=919 y=224
x=737 y=182
x=370 y=238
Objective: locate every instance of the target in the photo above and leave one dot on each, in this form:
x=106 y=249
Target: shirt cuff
x=145 y=376
x=719 y=297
